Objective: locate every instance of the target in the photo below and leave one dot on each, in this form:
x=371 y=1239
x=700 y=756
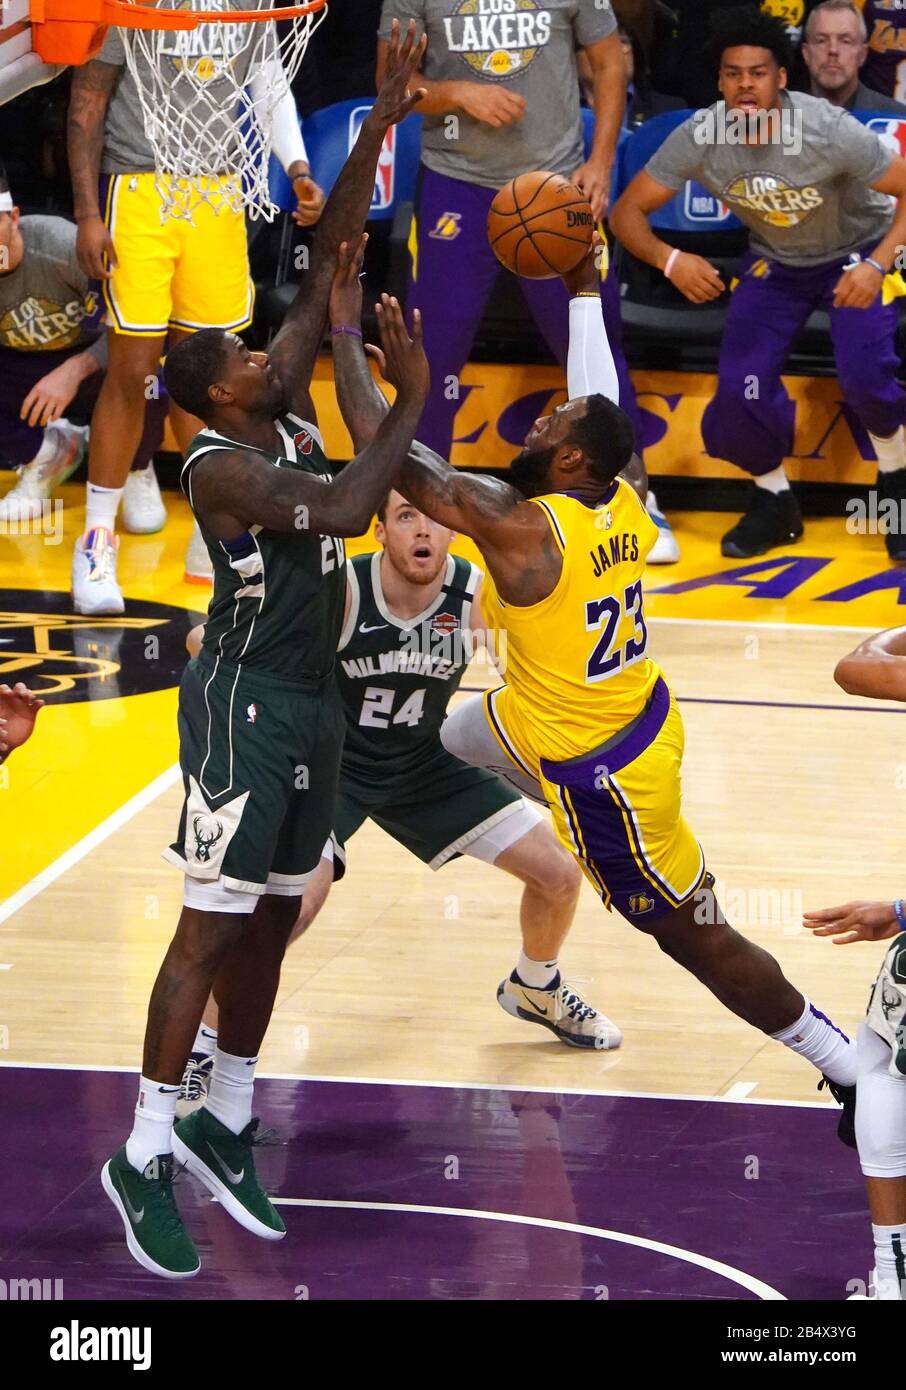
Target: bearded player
x=586 y=720
x=260 y=722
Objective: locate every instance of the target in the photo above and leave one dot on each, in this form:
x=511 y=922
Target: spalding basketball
x=540 y=225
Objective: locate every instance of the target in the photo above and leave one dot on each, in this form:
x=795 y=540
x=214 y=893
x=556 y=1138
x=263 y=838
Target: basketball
x=540 y=225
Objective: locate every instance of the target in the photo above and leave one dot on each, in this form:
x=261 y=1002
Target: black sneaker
x=845 y=1096
x=892 y=487
x=771 y=519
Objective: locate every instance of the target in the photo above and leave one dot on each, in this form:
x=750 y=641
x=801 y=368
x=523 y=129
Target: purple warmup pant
x=766 y=311
x=452 y=282
x=19 y=371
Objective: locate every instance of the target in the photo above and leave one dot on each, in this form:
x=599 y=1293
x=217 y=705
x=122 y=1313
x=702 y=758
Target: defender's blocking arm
x=362 y=403
x=295 y=347
x=240 y=488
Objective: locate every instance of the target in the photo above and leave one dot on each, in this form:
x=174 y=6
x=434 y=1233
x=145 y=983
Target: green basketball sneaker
x=223 y=1161
x=155 y=1234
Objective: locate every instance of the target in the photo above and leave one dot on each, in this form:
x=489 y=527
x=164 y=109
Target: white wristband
x=671 y=261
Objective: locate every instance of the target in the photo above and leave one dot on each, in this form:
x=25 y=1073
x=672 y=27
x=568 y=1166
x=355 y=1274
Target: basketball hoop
x=209 y=82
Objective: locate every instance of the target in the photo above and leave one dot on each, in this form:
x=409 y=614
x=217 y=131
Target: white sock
x=230 y=1094
x=152 y=1131
x=775 y=481
x=100 y=506
x=891 y=452
x=815 y=1037
x=537 y=974
x=890 y=1261
x=205 y=1040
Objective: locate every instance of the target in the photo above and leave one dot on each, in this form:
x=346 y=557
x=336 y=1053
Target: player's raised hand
x=854 y=922
x=404 y=364
x=346 y=290
x=696 y=278
x=394 y=100
x=586 y=278
x=18 y=712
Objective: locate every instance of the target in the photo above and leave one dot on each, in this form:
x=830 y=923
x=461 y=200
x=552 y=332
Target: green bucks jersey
x=396 y=675
x=278 y=596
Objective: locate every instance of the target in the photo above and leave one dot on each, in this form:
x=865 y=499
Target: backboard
x=20 y=67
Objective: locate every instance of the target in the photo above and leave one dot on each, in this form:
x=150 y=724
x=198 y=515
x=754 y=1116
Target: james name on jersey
x=620 y=549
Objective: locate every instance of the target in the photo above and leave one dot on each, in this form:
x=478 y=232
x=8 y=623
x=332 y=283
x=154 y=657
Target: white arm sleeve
x=589 y=364
x=286 y=137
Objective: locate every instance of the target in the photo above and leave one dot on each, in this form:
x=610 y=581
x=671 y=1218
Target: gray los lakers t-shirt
x=48 y=302
x=527 y=46
x=126 y=149
x=802 y=208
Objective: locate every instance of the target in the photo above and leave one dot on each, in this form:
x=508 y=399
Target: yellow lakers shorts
x=176 y=274
x=618 y=808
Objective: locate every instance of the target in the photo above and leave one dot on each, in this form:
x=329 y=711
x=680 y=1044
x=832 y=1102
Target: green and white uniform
x=396 y=677
x=260 y=718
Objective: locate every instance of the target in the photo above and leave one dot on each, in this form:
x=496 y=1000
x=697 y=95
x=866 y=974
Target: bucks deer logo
x=205 y=841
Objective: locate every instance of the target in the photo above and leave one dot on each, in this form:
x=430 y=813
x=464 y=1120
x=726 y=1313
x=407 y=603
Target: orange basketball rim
x=72 y=31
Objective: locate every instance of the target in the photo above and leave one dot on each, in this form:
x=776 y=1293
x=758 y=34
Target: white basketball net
x=208 y=97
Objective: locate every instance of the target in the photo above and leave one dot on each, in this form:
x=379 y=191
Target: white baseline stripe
x=736 y=1276
x=91 y=841
x=447 y=1085
x=740 y=1090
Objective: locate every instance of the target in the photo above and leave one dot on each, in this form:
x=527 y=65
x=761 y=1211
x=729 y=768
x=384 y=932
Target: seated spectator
x=815 y=189
x=885 y=66
x=834 y=50
x=52 y=357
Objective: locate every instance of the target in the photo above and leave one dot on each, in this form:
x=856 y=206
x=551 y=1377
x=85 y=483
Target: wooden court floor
x=796 y=791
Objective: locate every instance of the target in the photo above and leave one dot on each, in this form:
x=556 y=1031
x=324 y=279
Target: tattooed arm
x=239 y=488
x=89 y=98
x=295 y=347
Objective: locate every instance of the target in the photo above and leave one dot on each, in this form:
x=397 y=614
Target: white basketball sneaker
x=94 y=586
x=143 y=511
x=665 y=550
x=560 y=1009
x=63 y=448
x=199 y=569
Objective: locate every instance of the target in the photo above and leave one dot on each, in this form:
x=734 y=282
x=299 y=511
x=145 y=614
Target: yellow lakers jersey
x=576 y=664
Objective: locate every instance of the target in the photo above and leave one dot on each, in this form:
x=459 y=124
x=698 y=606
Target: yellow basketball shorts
x=175 y=274
x=618 y=808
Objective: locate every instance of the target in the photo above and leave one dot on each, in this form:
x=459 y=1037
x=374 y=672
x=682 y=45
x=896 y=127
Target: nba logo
x=891 y=132
x=382 y=199
x=251 y=714
x=701 y=206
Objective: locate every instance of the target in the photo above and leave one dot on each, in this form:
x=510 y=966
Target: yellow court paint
x=90 y=757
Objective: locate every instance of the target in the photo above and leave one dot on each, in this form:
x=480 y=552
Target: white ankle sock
x=152 y=1131
x=537 y=974
x=205 y=1040
x=230 y=1094
x=890 y=1261
x=891 y=452
x=817 y=1039
x=100 y=506
x=775 y=481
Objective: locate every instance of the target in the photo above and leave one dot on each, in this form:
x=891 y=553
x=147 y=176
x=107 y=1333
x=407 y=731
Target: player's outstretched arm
x=693 y=276
x=590 y=366
x=295 y=347
x=858 y=921
x=363 y=404
x=240 y=488
x=18 y=712
x=876 y=668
